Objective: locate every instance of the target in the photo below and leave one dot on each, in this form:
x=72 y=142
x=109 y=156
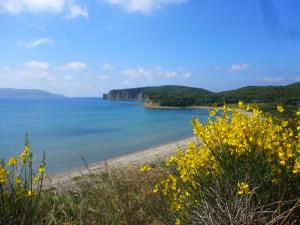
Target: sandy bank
x=150 y=105
x=137 y=158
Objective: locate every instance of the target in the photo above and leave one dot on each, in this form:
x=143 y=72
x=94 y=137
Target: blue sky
x=85 y=48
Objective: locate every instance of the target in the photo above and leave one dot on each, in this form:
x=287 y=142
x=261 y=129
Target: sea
x=75 y=131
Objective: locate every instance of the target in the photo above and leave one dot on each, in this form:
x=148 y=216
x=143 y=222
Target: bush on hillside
x=245 y=169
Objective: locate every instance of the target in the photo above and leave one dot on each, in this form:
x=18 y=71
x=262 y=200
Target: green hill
x=289 y=94
x=172 y=95
x=13 y=93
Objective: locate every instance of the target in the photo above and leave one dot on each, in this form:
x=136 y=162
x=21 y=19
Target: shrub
x=245 y=169
x=20 y=189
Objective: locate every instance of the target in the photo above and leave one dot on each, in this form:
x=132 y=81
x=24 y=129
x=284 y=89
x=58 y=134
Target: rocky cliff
x=135 y=94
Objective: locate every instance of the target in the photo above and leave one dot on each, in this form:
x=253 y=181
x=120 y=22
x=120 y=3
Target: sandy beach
x=137 y=158
x=150 y=105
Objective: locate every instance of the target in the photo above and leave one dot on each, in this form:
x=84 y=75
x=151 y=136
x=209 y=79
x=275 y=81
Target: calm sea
x=72 y=128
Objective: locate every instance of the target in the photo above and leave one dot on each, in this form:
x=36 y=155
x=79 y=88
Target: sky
x=88 y=47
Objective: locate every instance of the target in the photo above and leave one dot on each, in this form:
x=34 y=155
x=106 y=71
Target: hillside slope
x=27 y=94
x=171 y=95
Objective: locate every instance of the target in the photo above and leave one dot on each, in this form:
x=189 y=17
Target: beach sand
x=137 y=158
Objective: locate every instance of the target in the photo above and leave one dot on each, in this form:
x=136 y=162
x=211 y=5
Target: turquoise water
x=71 y=128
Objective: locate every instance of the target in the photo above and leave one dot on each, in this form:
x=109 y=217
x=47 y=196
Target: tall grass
x=114 y=197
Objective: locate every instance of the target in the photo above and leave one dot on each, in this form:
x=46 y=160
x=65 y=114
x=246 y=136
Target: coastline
x=150 y=105
x=138 y=158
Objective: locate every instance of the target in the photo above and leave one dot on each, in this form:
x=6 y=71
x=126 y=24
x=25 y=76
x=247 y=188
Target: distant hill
x=172 y=95
x=27 y=94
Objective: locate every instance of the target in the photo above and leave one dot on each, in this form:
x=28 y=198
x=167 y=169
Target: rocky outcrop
x=135 y=94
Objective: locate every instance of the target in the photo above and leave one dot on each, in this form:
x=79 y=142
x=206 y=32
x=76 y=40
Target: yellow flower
x=145 y=168
x=13 y=161
x=241 y=104
x=298 y=113
x=18 y=180
x=243 y=188
x=42 y=170
x=237 y=134
x=284 y=123
x=212 y=113
x=24 y=155
x=177 y=222
x=280 y=108
x=31 y=193
x=3 y=175
x=296 y=168
x=155 y=189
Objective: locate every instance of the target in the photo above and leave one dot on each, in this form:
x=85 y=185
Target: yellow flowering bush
x=20 y=188
x=241 y=154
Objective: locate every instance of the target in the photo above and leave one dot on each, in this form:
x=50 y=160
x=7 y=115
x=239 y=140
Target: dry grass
x=115 y=197
x=220 y=205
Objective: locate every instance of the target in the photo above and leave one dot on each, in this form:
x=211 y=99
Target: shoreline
x=137 y=158
x=148 y=105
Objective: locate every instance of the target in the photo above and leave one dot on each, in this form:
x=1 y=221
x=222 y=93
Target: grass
x=114 y=197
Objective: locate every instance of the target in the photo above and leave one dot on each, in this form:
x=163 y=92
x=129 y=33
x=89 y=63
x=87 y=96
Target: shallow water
x=72 y=128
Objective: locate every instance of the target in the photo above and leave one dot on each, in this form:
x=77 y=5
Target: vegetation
x=20 y=190
x=243 y=169
x=181 y=96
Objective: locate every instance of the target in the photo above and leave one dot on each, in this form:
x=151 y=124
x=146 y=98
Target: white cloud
x=238 y=67
x=69 y=7
x=143 y=6
x=273 y=79
x=17 y=6
x=38 y=42
x=36 y=65
x=77 y=11
x=103 y=77
x=107 y=67
x=149 y=74
x=186 y=75
x=15 y=75
x=73 y=66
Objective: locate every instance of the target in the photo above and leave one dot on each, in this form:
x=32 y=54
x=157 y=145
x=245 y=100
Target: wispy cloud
x=143 y=6
x=77 y=11
x=17 y=6
x=141 y=72
x=273 y=79
x=238 y=67
x=8 y=74
x=38 y=42
x=73 y=66
x=33 y=64
x=155 y=72
x=107 y=67
x=186 y=75
x=70 y=7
